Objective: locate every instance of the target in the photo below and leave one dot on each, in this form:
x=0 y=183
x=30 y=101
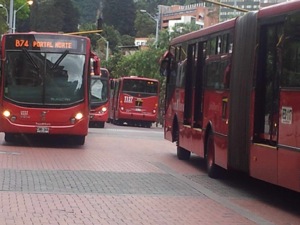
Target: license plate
x=138 y=110
x=42 y=130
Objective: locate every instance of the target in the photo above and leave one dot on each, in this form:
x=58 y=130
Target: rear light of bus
x=153 y=111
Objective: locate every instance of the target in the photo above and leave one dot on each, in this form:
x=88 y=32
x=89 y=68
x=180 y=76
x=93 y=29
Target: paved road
x=126 y=175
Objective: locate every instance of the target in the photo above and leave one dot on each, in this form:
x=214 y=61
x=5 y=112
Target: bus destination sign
x=25 y=43
x=45 y=42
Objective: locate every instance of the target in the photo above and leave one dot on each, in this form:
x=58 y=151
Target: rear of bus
x=44 y=85
x=137 y=101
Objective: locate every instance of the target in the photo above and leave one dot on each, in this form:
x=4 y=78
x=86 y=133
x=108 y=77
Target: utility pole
x=11 y=10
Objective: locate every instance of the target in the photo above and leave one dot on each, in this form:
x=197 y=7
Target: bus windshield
x=99 y=92
x=43 y=78
x=140 y=86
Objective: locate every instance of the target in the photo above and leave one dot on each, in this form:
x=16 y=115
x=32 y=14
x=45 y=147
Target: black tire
x=212 y=168
x=9 y=137
x=79 y=140
x=183 y=154
x=101 y=124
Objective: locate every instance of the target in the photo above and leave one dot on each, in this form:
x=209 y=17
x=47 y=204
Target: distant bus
x=134 y=101
x=232 y=95
x=99 y=98
x=44 y=85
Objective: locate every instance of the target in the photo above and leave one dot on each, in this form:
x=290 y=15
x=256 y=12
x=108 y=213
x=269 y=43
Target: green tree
x=64 y=17
x=51 y=23
x=113 y=36
x=183 y=28
x=93 y=36
x=120 y=14
x=70 y=15
x=127 y=40
x=21 y=16
x=142 y=63
x=4 y=17
x=144 y=25
x=88 y=10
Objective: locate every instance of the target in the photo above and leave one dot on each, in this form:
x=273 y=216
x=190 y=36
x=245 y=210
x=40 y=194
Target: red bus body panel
x=138 y=107
x=132 y=112
x=101 y=113
x=54 y=120
x=57 y=120
x=273 y=157
x=98 y=114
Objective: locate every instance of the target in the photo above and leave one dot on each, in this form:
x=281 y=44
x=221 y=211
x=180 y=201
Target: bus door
x=189 y=94
x=197 y=114
x=115 y=104
x=198 y=87
x=190 y=84
x=266 y=112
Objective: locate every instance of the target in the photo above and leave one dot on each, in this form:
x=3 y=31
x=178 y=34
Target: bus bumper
x=138 y=117
x=79 y=128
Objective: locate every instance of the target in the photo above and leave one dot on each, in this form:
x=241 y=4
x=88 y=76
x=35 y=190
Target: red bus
x=45 y=85
x=232 y=95
x=99 y=98
x=134 y=101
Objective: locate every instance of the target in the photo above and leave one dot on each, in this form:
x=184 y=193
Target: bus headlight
x=78 y=116
x=6 y=113
x=122 y=108
x=153 y=111
x=104 y=109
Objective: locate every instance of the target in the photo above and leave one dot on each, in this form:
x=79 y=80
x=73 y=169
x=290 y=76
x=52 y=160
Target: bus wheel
x=101 y=124
x=182 y=153
x=9 y=137
x=79 y=140
x=212 y=169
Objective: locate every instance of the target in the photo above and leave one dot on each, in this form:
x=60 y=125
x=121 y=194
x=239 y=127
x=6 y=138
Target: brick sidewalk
x=118 y=181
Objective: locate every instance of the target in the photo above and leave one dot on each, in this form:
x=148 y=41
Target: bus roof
x=270 y=11
x=278 y=9
x=45 y=33
x=209 y=30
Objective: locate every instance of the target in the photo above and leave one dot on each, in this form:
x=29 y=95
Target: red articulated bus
x=232 y=95
x=134 y=100
x=99 y=98
x=45 y=85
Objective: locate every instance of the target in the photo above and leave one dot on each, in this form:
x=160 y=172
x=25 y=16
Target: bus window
x=291 y=63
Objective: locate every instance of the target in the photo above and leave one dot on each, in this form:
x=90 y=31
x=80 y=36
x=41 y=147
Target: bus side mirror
x=112 y=84
x=163 y=68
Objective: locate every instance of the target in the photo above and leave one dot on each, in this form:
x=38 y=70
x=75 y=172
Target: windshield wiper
x=58 y=61
x=30 y=58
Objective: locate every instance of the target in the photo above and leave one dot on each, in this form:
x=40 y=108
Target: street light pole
x=157 y=24
x=15 y=14
x=107 y=47
x=11 y=9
